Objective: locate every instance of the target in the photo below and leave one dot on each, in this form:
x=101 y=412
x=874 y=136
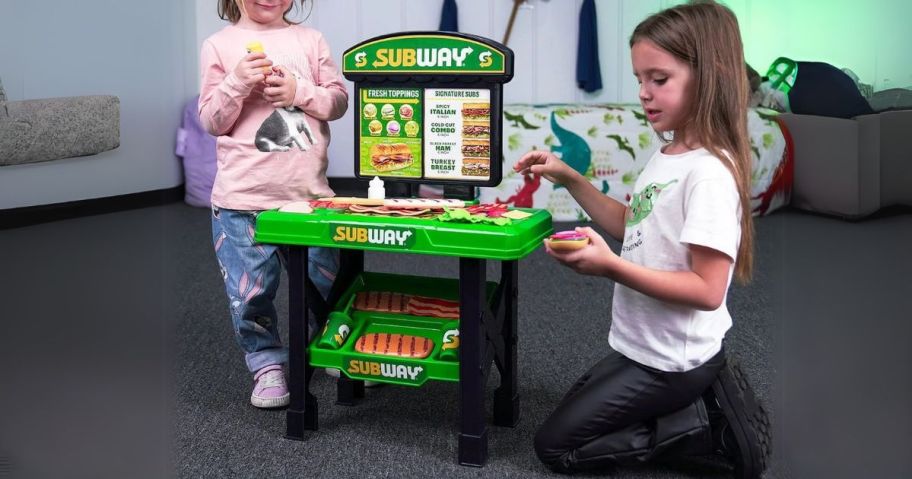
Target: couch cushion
x=827 y=175
x=896 y=158
x=56 y=128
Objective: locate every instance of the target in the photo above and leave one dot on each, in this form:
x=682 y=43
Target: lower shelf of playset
x=437 y=366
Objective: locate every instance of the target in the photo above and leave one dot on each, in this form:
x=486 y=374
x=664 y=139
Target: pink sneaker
x=269 y=388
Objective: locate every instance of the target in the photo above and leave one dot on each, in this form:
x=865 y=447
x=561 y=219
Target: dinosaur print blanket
x=610 y=145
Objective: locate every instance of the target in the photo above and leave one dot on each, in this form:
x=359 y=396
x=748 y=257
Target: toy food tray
x=440 y=363
x=337 y=229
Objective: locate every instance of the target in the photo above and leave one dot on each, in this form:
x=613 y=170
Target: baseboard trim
x=32 y=215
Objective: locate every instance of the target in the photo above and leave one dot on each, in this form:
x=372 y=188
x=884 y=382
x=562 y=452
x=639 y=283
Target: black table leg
x=347 y=390
x=506 y=396
x=473 y=434
x=302 y=412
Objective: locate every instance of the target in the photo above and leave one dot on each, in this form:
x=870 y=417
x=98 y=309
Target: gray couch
x=851 y=168
x=57 y=128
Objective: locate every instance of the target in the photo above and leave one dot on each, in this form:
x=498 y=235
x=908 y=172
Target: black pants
x=623 y=413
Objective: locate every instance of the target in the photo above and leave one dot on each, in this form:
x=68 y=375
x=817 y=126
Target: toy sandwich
x=567 y=241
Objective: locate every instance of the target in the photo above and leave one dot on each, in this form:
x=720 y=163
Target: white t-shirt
x=678 y=200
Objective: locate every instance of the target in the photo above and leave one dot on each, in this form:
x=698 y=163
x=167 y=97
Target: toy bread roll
x=390 y=344
x=297 y=207
x=354 y=201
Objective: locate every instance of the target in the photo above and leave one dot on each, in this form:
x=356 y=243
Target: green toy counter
x=335 y=229
x=482 y=314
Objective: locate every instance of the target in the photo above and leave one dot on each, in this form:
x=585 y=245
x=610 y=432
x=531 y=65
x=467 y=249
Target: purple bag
x=197 y=149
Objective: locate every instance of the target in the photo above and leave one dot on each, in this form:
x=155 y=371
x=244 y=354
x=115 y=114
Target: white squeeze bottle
x=375 y=190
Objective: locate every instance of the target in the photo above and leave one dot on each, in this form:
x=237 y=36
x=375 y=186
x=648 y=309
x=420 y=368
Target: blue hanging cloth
x=449 y=18
x=588 y=71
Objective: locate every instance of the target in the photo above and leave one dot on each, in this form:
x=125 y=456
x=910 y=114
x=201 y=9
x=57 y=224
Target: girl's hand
x=596 y=259
x=251 y=70
x=280 y=88
x=545 y=164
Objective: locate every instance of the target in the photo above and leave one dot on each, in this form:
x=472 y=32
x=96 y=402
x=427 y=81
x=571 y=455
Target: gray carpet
x=93 y=307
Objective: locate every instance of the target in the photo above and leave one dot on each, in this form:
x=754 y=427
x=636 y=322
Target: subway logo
x=385 y=236
x=369 y=369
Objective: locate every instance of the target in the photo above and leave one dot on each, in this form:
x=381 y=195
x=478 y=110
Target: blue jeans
x=251 y=272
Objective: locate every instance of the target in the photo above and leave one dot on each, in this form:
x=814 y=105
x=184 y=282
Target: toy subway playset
x=427 y=110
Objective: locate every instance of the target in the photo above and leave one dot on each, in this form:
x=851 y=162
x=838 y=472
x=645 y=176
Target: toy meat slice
x=400 y=345
x=433 y=307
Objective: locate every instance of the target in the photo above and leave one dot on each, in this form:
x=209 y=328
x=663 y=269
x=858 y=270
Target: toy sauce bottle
x=338 y=328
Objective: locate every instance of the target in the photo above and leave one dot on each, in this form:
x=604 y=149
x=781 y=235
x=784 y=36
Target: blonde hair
x=705 y=35
x=231 y=10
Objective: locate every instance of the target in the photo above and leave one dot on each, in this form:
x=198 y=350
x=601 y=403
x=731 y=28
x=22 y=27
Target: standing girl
x=686 y=231
x=269 y=87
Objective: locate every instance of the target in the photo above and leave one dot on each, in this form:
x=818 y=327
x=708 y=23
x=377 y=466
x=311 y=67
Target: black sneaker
x=723 y=442
x=740 y=425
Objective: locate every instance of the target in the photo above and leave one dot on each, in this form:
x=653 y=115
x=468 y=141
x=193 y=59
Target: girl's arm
x=703 y=287
x=326 y=97
x=222 y=92
x=604 y=210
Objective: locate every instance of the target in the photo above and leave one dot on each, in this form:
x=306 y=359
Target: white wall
x=544 y=40
x=147 y=54
x=134 y=50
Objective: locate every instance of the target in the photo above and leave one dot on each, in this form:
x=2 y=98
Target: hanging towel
x=449 y=18
x=588 y=72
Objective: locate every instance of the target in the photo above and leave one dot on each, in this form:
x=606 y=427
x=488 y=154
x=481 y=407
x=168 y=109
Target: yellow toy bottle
x=257 y=47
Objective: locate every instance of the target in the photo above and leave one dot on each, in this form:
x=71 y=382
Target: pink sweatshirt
x=269 y=156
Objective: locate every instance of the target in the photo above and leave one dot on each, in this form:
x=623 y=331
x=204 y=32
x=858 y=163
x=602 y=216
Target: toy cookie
x=567 y=241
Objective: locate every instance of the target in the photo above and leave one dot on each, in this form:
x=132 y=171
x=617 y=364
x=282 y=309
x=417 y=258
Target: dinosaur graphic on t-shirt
x=642 y=202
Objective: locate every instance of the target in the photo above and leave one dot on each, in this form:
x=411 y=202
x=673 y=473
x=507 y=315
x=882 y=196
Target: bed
x=610 y=145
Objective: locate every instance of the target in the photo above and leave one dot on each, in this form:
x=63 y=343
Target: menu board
x=429 y=133
x=457 y=143
x=429 y=107
x=391 y=132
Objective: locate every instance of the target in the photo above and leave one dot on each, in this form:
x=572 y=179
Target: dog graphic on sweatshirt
x=284 y=128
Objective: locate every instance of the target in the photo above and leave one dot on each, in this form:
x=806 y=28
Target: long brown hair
x=705 y=35
x=231 y=10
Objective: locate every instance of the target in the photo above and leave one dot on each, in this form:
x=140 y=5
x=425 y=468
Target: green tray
x=336 y=229
x=391 y=369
